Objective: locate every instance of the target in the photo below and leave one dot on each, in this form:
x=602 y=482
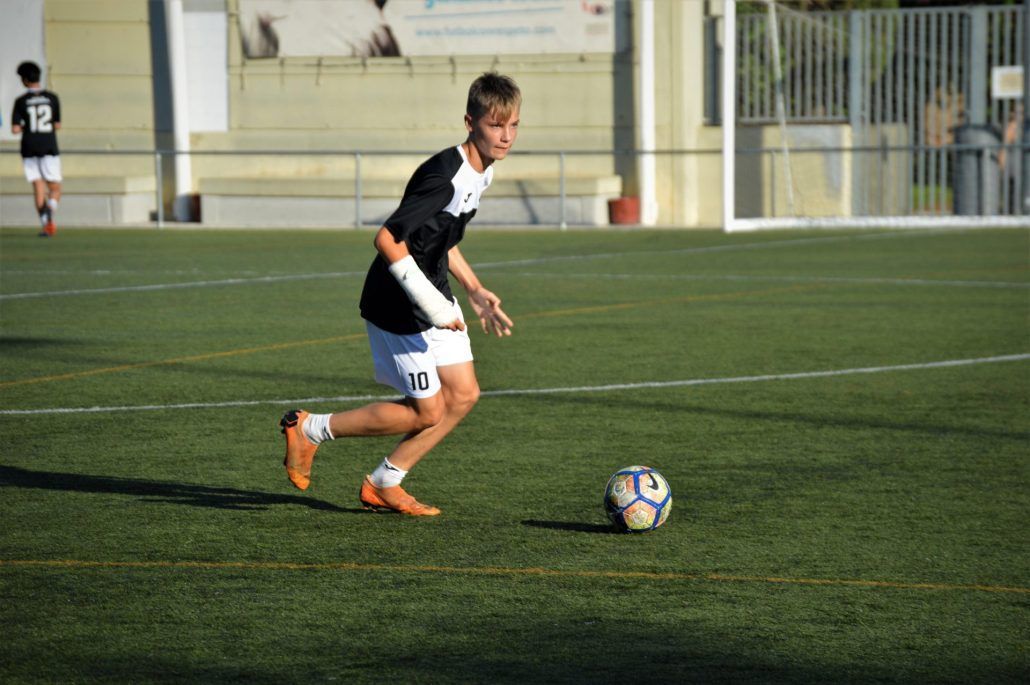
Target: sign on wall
x=385 y=28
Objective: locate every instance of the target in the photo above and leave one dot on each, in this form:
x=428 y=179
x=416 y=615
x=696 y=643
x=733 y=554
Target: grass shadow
x=160 y=491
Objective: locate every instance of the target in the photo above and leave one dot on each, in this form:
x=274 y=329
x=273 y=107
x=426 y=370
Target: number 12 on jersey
x=41 y=118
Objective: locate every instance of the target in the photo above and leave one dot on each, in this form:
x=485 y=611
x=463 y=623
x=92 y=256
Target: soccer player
x=416 y=329
x=37 y=117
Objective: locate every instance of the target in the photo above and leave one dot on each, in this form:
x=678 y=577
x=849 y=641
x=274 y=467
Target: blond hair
x=493 y=93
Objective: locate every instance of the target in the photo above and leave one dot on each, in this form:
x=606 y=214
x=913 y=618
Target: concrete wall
x=107 y=61
x=684 y=181
x=100 y=65
x=572 y=102
x=98 y=60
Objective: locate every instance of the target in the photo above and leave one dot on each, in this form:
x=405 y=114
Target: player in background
x=415 y=326
x=37 y=117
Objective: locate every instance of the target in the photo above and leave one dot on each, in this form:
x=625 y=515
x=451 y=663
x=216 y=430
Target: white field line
x=538 y=391
x=783 y=279
x=186 y=284
x=482 y=265
x=790 y=242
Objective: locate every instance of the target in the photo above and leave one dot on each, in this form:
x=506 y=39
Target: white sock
x=387 y=475
x=316 y=428
x=52 y=204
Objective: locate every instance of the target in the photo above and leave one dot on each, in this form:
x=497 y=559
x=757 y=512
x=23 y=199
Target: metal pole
x=773 y=31
x=647 y=164
x=856 y=106
x=729 y=113
x=159 y=189
x=1026 y=111
x=357 y=190
x=180 y=109
x=976 y=92
x=561 y=191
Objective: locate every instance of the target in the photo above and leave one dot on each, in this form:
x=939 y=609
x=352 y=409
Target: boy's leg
x=39 y=199
x=50 y=170
x=459 y=391
x=378 y=418
x=39 y=194
x=388 y=418
x=54 y=188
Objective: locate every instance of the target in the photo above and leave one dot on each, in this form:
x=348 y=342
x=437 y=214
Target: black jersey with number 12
x=439 y=201
x=37 y=112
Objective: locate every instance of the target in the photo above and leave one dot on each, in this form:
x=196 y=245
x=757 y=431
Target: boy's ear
x=468 y=122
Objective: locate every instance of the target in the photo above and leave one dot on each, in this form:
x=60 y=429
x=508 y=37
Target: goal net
x=872 y=118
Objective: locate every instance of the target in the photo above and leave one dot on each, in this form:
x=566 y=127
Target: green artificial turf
x=846 y=509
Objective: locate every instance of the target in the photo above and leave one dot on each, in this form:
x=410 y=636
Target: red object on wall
x=624 y=210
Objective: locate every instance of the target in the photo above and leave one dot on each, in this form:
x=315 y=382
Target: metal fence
x=918 y=76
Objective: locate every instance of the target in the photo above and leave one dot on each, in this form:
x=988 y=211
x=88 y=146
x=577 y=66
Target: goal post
x=868 y=118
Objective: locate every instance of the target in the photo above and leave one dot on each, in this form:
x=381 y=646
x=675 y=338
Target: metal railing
x=161 y=156
x=975 y=179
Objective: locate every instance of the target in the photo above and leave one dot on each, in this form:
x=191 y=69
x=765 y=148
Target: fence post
x=856 y=105
x=159 y=190
x=357 y=190
x=561 y=191
x=1024 y=197
x=985 y=158
x=976 y=97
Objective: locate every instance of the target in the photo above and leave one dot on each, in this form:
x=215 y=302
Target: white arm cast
x=422 y=293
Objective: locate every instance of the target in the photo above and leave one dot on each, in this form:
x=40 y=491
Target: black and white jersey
x=439 y=201
x=37 y=112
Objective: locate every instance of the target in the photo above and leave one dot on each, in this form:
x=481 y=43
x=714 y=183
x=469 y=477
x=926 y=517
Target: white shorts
x=47 y=168
x=408 y=363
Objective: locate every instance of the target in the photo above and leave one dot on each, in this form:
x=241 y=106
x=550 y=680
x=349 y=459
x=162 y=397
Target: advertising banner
x=389 y=28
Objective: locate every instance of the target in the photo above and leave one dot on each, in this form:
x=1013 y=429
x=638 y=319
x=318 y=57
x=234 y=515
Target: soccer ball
x=637 y=499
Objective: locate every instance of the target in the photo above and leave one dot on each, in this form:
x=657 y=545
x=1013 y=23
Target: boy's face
x=492 y=134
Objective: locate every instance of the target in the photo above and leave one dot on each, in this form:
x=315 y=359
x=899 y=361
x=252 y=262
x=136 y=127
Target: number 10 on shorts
x=419 y=381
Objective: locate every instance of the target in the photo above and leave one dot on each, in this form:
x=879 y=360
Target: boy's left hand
x=487 y=307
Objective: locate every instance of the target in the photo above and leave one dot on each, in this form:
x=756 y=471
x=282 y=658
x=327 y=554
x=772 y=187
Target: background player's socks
x=387 y=475
x=316 y=428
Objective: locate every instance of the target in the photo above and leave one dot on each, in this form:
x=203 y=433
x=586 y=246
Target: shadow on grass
x=159 y=491
x=15 y=344
x=573 y=526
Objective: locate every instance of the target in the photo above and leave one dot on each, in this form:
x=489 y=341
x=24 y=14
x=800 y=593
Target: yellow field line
x=683 y=299
x=181 y=360
x=361 y=336
x=501 y=571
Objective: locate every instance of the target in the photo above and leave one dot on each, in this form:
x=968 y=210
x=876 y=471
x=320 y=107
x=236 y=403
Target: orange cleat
x=50 y=229
x=300 y=452
x=394 y=499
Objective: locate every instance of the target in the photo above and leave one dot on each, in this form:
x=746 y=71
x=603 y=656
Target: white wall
x=205 y=25
x=21 y=38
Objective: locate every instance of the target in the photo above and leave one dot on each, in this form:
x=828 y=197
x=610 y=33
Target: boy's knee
x=464 y=399
x=428 y=414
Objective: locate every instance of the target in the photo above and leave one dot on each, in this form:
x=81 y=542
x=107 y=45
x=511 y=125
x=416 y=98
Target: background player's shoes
x=300 y=452
x=393 y=498
x=51 y=228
